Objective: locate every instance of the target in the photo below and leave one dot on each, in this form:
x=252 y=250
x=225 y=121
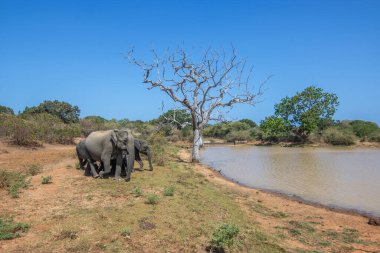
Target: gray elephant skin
x=103 y=146
x=86 y=163
x=141 y=146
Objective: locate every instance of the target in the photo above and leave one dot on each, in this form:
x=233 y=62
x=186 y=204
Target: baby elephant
x=85 y=160
x=141 y=146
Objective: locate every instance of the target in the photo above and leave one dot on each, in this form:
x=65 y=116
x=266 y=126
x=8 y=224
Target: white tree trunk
x=196 y=145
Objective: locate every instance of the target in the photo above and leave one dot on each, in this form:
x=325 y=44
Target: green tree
x=176 y=118
x=307 y=110
x=63 y=110
x=364 y=129
x=274 y=128
x=6 y=110
x=249 y=122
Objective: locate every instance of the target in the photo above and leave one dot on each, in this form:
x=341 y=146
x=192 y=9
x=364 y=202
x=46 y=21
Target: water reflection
x=345 y=178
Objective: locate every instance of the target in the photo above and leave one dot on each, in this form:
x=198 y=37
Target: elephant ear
x=114 y=135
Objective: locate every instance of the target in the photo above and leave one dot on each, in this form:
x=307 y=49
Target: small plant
x=13 y=182
x=126 y=232
x=67 y=234
x=137 y=191
x=224 y=236
x=77 y=166
x=152 y=199
x=47 y=180
x=169 y=191
x=10 y=230
x=33 y=169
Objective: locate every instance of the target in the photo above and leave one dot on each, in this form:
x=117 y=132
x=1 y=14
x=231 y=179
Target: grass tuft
x=169 y=191
x=10 y=230
x=152 y=199
x=47 y=180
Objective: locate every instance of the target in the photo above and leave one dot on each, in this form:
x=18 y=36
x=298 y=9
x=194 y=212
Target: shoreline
x=291 y=198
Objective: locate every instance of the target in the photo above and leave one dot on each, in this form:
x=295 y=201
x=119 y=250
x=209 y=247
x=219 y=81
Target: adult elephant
x=141 y=146
x=106 y=145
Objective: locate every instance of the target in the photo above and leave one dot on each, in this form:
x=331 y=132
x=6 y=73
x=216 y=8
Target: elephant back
x=98 y=141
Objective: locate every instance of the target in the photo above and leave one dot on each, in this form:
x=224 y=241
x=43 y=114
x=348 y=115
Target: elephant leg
x=93 y=169
x=141 y=164
x=149 y=154
x=139 y=160
x=119 y=162
x=106 y=160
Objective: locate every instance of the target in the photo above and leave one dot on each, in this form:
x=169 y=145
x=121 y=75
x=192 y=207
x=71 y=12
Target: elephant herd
x=115 y=150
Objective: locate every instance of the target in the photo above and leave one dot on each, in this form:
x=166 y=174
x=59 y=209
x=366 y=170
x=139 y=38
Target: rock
x=374 y=221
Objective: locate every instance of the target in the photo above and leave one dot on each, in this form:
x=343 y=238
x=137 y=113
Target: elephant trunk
x=149 y=154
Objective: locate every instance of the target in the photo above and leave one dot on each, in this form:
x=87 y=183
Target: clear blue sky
x=73 y=51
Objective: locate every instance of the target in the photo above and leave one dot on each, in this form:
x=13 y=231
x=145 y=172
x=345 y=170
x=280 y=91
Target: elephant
x=86 y=160
x=141 y=146
x=103 y=146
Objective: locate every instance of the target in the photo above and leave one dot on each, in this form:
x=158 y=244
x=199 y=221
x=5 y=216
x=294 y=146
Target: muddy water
x=344 y=178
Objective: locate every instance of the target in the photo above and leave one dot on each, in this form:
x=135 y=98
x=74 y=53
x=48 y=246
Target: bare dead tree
x=208 y=88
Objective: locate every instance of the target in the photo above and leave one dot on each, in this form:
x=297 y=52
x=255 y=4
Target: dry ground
x=80 y=214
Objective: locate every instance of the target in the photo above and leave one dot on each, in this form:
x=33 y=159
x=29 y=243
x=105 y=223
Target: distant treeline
x=305 y=117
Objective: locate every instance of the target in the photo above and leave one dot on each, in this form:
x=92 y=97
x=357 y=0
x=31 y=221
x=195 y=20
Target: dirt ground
x=45 y=206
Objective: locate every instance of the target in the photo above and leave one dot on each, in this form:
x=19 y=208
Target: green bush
x=275 y=129
x=169 y=191
x=159 y=150
x=336 y=136
x=224 y=236
x=137 y=191
x=47 y=180
x=31 y=129
x=242 y=135
x=13 y=182
x=364 y=129
x=10 y=230
x=152 y=199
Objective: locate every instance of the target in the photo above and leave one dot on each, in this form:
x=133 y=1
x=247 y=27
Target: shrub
x=336 y=136
x=125 y=232
x=364 y=129
x=47 y=180
x=13 y=182
x=158 y=148
x=33 y=169
x=152 y=199
x=137 y=191
x=242 y=135
x=224 y=236
x=10 y=230
x=169 y=191
x=274 y=128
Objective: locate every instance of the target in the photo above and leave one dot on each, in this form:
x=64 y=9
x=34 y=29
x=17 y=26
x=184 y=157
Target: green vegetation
x=6 y=110
x=224 y=236
x=13 y=182
x=305 y=117
x=126 y=232
x=10 y=230
x=308 y=110
x=169 y=191
x=137 y=191
x=47 y=180
x=152 y=199
x=62 y=110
